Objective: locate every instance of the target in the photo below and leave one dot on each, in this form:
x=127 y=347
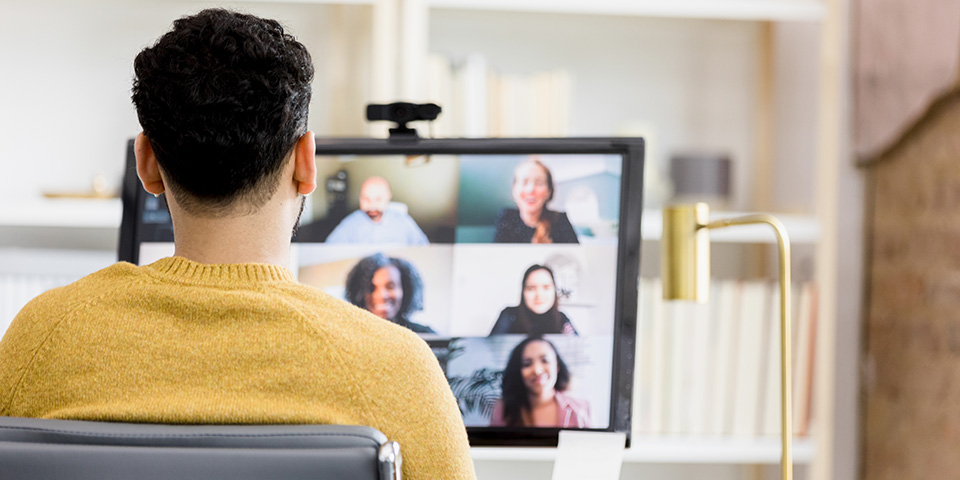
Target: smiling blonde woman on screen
x=532 y=221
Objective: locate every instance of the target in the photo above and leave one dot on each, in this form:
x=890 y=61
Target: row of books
x=479 y=101
x=713 y=369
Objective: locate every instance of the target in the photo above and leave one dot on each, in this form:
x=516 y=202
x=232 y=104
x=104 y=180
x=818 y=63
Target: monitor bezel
x=628 y=254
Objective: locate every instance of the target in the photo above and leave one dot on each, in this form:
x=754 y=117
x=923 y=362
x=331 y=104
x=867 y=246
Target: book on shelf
x=714 y=369
x=686 y=328
x=749 y=358
x=658 y=365
x=803 y=328
x=770 y=403
x=648 y=368
x=804 y=354
x=727 y=296
x=479 y=101
x=700 y=329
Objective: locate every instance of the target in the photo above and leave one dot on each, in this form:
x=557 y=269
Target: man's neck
x=261 y=237
x=203 y=249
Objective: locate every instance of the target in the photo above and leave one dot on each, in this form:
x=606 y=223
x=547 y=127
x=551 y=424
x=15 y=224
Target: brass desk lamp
x=686 y=276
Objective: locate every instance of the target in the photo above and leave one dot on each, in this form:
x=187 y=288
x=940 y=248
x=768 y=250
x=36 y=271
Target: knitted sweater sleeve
x=16 y=352
x=29 y=332
x=425 y=419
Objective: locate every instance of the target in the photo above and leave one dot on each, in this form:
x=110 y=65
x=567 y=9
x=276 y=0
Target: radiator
x=18 y=289
x=26 y=273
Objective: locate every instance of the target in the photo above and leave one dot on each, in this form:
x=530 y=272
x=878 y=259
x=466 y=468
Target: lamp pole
x=686 y=273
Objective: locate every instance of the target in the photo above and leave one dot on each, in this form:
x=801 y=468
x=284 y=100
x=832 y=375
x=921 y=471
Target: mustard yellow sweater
x=183 y=342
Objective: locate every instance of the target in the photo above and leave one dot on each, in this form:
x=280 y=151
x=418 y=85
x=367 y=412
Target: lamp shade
x=685 y=259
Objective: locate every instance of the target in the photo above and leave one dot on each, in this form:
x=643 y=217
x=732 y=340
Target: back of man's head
x=222 y=99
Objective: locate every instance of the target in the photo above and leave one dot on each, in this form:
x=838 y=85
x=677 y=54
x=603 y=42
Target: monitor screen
x=516 y=260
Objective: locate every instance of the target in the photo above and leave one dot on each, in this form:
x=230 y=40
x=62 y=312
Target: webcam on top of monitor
x=402 y=113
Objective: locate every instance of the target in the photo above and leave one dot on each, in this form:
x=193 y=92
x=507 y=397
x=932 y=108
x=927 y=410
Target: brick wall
x=912 y=389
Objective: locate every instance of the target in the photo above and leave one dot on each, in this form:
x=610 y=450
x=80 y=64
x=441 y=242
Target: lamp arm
x=786 y=398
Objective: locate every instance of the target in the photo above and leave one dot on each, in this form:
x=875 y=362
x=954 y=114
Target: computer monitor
x=516 y=260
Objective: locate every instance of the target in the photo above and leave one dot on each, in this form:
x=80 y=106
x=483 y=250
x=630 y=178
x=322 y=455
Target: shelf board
x=801 y=229
x=771 y=10
x=53 y=263
x=69 y=213
x=319 y=2
x=668 y=449
x=105 y=214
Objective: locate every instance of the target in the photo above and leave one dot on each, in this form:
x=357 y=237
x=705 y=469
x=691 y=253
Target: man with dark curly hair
x=222 y=332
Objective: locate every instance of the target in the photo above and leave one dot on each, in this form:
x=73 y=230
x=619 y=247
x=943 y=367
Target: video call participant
x=538 y=312
x=534 y=382
x=532 y=221
x=390 y=288
x=376 y=221
x=222 y=332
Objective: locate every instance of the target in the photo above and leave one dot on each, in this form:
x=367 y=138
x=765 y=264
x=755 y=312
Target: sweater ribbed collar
x=183 y=270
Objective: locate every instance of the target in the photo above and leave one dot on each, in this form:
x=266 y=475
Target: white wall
x=688 y=85
x=67 y=66
x=65 y=76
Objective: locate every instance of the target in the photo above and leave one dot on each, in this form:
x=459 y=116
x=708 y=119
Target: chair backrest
x=41 y=449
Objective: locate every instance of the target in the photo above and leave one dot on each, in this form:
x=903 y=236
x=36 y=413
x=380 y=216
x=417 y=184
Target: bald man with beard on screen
x=376 y=221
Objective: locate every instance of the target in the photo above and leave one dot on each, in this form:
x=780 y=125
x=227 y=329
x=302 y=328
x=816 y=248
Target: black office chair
x=39 y=449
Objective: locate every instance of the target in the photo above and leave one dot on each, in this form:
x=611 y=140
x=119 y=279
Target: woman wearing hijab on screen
x=538 y=312
x=532 y=221
x=534 y=384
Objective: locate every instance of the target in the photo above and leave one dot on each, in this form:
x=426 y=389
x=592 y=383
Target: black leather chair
x=39 y=449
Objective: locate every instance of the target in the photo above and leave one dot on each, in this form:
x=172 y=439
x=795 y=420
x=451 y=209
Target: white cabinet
x=757 y=80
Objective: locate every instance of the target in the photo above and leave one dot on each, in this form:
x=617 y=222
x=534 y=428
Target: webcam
x=401 y=113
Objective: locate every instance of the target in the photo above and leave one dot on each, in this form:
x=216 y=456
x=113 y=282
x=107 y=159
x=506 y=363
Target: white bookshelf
x=309 y=2
x=671 y=449
x=61 y=224
x=786 y=99
x=105 y=214
x=801 y=229
x=772 y=10
x=62 y=213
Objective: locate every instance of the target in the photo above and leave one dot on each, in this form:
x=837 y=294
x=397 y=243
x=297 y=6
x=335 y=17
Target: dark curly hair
x=223 y=99
x=360 y=281
x=514 y=391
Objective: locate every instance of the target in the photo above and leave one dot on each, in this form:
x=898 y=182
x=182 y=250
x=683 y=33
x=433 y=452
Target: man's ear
x=305 y=167
x=147 y=167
